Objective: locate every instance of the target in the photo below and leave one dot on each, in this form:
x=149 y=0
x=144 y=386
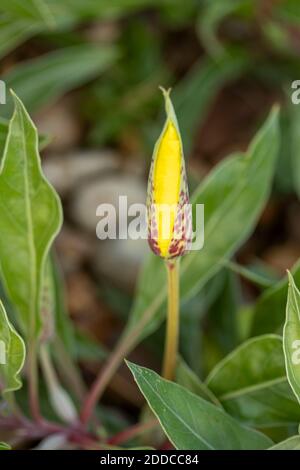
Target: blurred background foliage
x=88 y=71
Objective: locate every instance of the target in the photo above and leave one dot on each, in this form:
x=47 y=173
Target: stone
x=117 y=259
x=67 y=172
x=104 y=189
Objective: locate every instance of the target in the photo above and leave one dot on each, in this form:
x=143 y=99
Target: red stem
x=101 y=381
x=132 y=432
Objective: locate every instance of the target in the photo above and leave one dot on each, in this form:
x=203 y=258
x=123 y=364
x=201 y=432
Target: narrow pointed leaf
x=14 y=31
x=30 y=214
x=188 y=379
x=212 y=16
x=41 y=81
x=251 y=384
x=233 y=204
x=269 y=310
x=3 y=135
x=43 y=139
x=48 y=303
x=295 y=152
x=31 y=10
x=12 y=355
x=4 y=446
x=190 y=422
x=292 y=443
x=291 y=337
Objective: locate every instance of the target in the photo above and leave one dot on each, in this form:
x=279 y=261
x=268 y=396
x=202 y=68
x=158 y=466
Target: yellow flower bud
x=169 y=214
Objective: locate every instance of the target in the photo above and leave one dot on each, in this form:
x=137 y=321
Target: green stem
x=172 y=333
x=134 y=431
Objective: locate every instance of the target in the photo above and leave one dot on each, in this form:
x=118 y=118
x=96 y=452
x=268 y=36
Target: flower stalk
x=172 y=333
x=169 y=221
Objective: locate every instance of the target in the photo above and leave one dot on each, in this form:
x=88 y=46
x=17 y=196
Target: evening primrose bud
x=168 y=208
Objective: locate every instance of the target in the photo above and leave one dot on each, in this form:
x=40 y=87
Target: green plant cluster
x=248 y=396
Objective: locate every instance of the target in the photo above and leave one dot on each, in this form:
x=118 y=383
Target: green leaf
x=4 y=446
x=188 y=379
x=88 y=349
x=292 y=443
x=232 y=206
x=15 y=31
x=222 y=317
x=12 y=354
x=41 y=81
x=192 y=313
x=284 y=177
x=268 y=315
x=31 y=10
x=254 y=273
x=105 y=9
x=291 y=337
x=64 y=346
x=43 y=139
x=252 y=386
x=48 y=304
x=3 y=134
x=288 y=11
x=64 y=327
x=30 y=216
x=56 y=320
x=190 y=422
x=212 y=16
x=294 y=146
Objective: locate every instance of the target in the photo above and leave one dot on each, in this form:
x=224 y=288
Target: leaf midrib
x=252 y=388
x=175 y=415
